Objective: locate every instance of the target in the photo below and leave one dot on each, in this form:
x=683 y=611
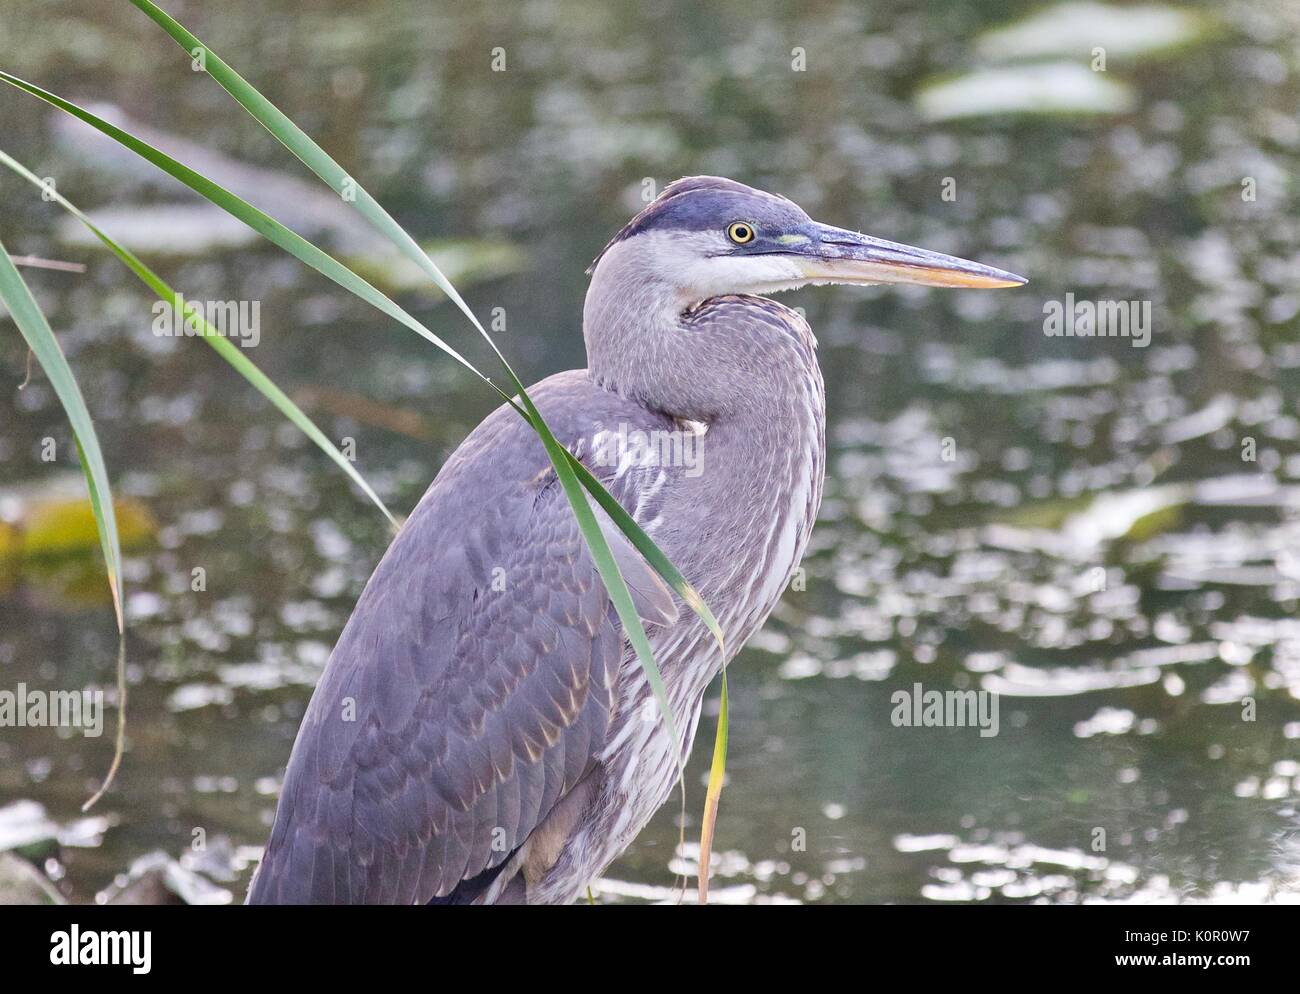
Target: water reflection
x=1104 y=535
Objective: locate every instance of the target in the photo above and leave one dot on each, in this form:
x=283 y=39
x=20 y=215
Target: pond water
x=1106 y=535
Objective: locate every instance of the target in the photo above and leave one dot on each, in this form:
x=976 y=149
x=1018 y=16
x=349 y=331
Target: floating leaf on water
x=196 y=229
x=1043 y=88
x=1078 y=28
x=1133 y=515
x=10 y=543
x=1206 y=421
x=924 y=843
x=1154 y=523
x=162 y=229
x=463 y=261
x=1107 y=721
x=1018 y=680
x=25 y=824
x=616 y=891
x=1247 y=490
x=1087 y=522
x=49 y=537
x=295 y=201
x=1051 y=513
x=63 y=527
x=156 y=878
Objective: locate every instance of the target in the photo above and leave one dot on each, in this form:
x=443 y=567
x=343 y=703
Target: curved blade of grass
x=258 y=220
x=223 y=346
x=301 y=144
x=40 y=338
x=337 y=178
x=717 y=773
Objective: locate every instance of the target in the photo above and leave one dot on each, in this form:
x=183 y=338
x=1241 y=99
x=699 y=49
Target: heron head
x=705 y=236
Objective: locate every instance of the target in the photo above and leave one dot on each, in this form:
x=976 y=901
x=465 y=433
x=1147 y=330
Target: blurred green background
x=1098 y=550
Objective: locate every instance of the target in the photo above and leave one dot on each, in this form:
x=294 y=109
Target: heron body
x=483 y=733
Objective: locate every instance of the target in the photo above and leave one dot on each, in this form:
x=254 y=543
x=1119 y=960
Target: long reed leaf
x=712 y=794
x=301 y=144
x=40 y=339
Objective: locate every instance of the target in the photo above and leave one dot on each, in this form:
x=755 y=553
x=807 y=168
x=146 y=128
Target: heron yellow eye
x=740 y=232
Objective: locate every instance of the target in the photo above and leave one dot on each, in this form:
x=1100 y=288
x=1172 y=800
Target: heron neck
x=724 y=359
x=746 y=368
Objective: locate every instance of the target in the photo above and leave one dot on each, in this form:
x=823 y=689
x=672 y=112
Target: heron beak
x=835 y=255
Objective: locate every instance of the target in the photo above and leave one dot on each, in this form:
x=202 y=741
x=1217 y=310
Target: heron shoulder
x=470 y=691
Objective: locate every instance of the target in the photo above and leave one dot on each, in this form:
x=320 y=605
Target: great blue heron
x=483 y=732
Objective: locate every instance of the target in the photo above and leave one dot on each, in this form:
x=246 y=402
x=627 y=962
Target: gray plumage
x=482 y=732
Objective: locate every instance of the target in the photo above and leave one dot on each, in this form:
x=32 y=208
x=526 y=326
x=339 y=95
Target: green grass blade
x=338 y=179
x=223 y=346
x=314 y=157
x=717 y=774
x=301 y=144
x=40 y=339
